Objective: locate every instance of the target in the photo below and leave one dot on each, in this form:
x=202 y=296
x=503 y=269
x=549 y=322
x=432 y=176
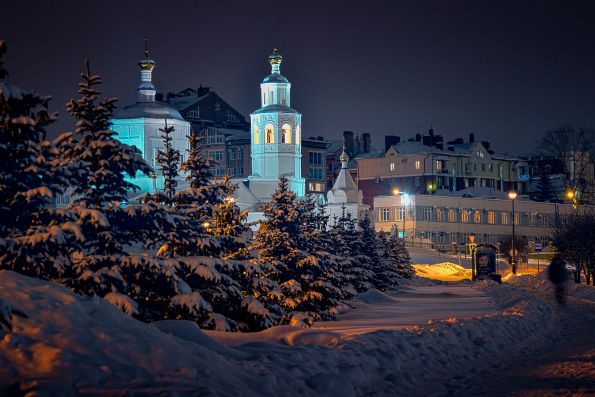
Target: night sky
x=506 y=71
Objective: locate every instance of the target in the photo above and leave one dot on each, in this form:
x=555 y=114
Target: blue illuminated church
x=138 y=125
x=275 y=137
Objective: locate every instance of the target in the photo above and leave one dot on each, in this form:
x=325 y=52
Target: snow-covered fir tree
x=396 y=248
x=169 y=160
x=35 y=239
x=285 y=240
x=354 y=265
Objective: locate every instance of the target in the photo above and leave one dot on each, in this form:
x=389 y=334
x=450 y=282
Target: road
x=562 y=364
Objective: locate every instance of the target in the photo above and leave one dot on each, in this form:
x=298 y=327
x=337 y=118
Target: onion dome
x=275 y=59
x=344 y=158
x=146 y=63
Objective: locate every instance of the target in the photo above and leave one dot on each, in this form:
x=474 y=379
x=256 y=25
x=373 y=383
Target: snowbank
x=541 y=282
x=70 y=345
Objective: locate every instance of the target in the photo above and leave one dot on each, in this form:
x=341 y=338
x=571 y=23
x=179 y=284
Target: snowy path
x=563 y=364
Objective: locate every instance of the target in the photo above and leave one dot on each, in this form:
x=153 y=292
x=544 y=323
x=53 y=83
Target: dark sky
x=504 y=70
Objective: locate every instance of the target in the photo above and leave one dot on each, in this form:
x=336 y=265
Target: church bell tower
x=275 y=137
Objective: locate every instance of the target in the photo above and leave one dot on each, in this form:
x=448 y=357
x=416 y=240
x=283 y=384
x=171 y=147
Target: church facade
x=275 y=137
x=139 y=124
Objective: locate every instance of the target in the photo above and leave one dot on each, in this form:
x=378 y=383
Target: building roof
x=148 y=110
x=185 y=101
x=477 y=192
x=275 y=109
x=275 y=78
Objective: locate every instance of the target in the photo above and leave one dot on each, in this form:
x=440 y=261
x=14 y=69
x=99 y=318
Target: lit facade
x=275 y=137
x=139 y=124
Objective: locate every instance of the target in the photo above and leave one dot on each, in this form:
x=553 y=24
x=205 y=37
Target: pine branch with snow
x=35 y=239
x=169 y=160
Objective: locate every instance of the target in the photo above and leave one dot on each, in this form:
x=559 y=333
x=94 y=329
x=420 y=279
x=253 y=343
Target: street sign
x=471 y=238
x=442 y=234
x=515 y=253
x=472 y=247
x=538 y=246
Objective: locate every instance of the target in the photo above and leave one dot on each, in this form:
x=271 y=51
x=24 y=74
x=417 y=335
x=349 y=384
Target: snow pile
x=540 y=281
x=72 y=345
x=445 y=271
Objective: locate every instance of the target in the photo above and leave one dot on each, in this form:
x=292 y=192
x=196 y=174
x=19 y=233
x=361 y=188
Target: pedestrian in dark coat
x=557 y=275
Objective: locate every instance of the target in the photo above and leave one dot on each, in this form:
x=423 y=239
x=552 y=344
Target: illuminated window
x=286 y=133
x=477 y=217
x=517 y=218
x=255 y=135
x=452 y=215
x=505 y=218
x=491 y=217
x=465 y=216
x=270 y=133
x=392 y=166
x=298 y=139
x=417 y=164
x=384 y=214
x=440 y=215
x=400 y=214
x=427 y=214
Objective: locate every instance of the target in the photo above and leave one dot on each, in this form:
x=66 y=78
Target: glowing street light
x=405 y=200
x=512 y=196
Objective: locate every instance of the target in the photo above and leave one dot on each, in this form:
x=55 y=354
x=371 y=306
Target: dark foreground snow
x=70 y=345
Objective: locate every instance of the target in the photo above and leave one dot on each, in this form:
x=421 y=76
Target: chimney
x=471 y=138
x=486 y=144
x=348 y=139
x=390 y=140
x=427 y=140
x=367 y=139
x=418 y=137
x=203 y=90
x=159 y=97
x=320 y=138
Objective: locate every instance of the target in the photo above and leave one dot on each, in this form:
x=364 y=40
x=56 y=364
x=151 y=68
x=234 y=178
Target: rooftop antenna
x=146 y=48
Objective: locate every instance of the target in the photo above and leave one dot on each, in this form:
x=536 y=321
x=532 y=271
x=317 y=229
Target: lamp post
x=405 y=200
x=572 y=196
x=512 y=196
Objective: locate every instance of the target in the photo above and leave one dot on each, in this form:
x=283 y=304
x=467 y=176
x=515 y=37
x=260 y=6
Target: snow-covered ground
x=408 y=343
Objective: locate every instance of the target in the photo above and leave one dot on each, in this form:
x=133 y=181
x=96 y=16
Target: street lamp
x=572 y=196
x=512 y=196
x=405 y=200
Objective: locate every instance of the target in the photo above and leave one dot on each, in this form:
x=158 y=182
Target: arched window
x=286 y=133
x=256 y=135
x=270 y=133
x=298 y=139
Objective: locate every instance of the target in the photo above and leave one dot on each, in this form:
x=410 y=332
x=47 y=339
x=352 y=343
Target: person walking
x=557 y=275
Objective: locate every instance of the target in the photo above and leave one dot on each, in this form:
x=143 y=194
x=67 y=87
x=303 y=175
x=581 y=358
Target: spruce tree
x=285 y=240
x=169 y=160
x=396 y=248
x=545 y=191
x=35 y=239
x=103 y=161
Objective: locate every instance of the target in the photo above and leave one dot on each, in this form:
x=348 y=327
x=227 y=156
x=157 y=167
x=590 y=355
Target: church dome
x=275 y=59
x=146 y=63
x=148 y=110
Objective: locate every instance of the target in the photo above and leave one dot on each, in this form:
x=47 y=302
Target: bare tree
x=571 y=146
